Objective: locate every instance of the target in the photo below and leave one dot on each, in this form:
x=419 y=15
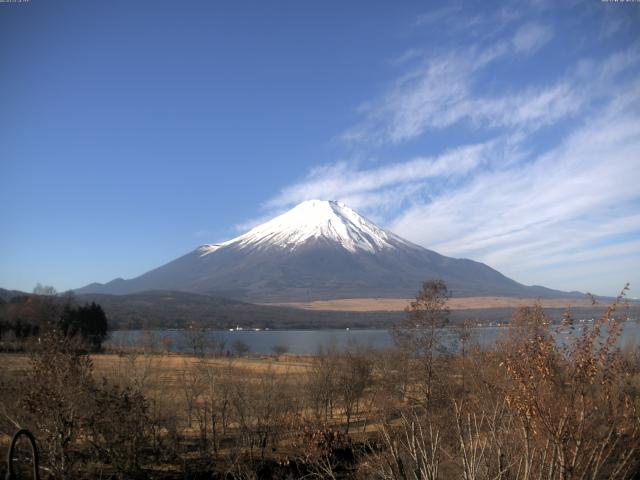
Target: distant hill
x=320 y=250
x=6 y=295
x=174 y=309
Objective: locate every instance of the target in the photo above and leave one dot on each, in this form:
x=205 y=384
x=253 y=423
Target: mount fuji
x=319 y=250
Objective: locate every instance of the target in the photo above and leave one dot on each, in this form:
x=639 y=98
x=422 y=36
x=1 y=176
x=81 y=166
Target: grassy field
x=468 y=303
x=163 y=371
x=255 y=384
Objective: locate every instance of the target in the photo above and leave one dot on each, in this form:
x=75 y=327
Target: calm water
x=306 y=341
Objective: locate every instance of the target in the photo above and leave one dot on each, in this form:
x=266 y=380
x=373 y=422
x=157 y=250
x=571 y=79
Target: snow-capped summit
x=318 y=250
x=315 y=220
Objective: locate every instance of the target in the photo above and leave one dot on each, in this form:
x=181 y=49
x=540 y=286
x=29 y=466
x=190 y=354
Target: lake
x=304 y=342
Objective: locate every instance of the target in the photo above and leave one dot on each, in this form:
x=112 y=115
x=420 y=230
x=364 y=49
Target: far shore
x=463 y=303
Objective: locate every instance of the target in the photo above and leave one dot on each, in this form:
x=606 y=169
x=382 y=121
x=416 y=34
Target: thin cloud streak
x=443 y=93
x=341 y=181
x=567 y=203
x=531 y=37
x=537 y=211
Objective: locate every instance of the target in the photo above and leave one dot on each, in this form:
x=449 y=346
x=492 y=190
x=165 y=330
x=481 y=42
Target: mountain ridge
x=319 y=250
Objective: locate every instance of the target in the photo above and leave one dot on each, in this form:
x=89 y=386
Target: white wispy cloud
x=569 y=205
x=347 y=182
x=531 y=37
x=454 y=19
x=442 y=92
x=438 y=15
x=539 y=212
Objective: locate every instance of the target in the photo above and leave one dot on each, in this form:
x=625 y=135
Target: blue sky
x=133 y=131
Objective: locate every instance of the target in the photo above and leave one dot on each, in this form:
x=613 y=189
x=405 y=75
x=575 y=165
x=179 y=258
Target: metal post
x=11 y=475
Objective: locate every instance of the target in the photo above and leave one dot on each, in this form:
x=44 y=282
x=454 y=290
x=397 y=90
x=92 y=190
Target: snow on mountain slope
x=315 y=219
x=318 y=250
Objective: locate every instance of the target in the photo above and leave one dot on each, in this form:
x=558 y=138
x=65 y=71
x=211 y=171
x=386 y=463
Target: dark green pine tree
x=86 y=321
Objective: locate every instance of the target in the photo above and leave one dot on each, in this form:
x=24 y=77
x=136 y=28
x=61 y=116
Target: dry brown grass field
x=181 y=391
x=161 y=375
x=466 y=303
x=164 y=367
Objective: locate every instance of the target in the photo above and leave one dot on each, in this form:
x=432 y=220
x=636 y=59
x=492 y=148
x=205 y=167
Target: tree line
x=24 y=319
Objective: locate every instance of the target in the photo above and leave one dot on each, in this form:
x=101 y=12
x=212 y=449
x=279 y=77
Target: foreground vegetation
x=528 y=409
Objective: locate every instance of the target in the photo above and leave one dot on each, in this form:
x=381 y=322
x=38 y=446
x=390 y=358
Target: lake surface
x=304 y=342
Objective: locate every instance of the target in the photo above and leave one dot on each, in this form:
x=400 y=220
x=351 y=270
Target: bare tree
x=271 y=405
x=118 y=430
x=217 y=343
x=47 y=290
x=191 y=384
x=412 y=451
x=354 y=376
x=418 y=332
x=279 y=349
x=240 y=348
x=577 y=414
x=195 y=338
x=321 y=383
x=57 y=393
x=463 y=334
